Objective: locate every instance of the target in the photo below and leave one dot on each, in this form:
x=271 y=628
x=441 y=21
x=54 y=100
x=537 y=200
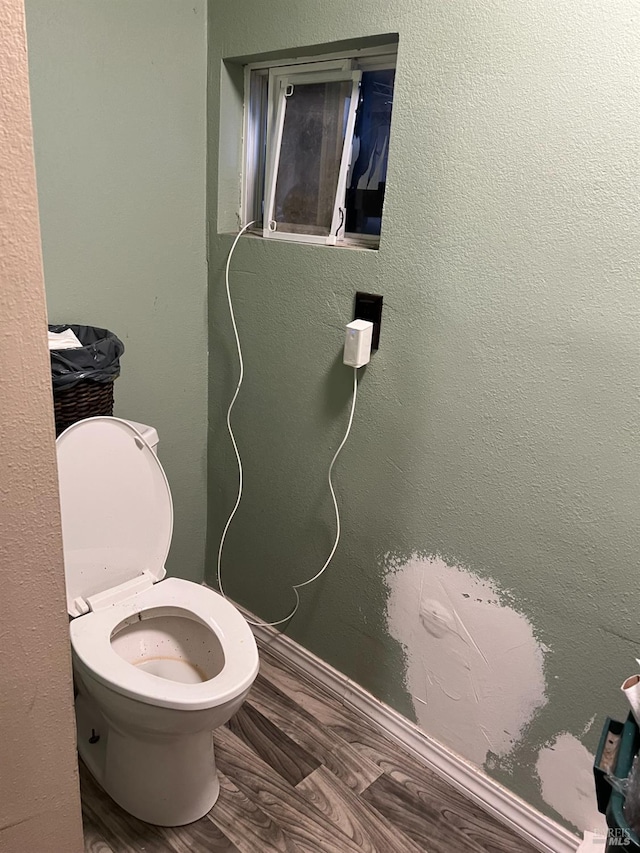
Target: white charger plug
x=357 y=343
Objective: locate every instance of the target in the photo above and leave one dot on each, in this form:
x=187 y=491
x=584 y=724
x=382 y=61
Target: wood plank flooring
x=300 y=773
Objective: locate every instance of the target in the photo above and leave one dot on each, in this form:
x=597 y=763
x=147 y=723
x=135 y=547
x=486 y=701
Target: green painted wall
x=498 y=427
x=119 y=105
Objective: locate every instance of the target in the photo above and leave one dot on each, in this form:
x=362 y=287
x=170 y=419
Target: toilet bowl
x=158 y=662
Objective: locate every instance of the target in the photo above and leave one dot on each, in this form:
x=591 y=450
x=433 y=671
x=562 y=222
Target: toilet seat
x=91 y=643
x=117 y=521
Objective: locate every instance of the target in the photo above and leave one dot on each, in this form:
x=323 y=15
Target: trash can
x=619 y=744
x=83 y=377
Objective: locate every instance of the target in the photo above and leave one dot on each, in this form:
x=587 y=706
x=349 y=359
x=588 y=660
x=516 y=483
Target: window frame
x=261 y=81
x=274 y=142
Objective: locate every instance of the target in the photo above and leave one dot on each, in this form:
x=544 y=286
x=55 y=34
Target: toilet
x=158 y=662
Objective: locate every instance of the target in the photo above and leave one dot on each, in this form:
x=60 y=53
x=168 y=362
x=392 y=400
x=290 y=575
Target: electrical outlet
x=368 y=306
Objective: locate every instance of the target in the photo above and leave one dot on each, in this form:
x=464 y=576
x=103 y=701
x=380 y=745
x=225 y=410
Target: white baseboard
x=540 y=831
x=592 y=842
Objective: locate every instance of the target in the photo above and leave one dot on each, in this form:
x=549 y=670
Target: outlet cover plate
x=368 y=306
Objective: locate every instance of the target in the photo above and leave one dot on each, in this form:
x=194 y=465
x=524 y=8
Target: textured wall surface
x=118 y=93
x=492 y=481
x=39 y=797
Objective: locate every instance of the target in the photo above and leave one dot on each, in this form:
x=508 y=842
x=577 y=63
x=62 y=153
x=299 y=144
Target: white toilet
x=158 y=664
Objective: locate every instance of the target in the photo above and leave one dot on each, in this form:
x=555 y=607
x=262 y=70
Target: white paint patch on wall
x=474 y=666
x=565 y=768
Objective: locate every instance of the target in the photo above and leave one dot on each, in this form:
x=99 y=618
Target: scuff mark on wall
x=474 y=667
x=565 y=768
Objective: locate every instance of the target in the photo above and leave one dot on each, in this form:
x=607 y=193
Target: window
x=316 y=147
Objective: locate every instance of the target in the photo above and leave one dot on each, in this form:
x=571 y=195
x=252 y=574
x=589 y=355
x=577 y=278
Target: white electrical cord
x=296 y=586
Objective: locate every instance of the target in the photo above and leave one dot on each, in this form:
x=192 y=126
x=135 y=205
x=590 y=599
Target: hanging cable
x=297 y=586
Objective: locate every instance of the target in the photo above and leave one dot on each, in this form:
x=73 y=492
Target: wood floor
x=300 y=773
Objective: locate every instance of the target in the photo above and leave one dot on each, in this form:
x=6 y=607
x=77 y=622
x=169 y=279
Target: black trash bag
x=98 y=359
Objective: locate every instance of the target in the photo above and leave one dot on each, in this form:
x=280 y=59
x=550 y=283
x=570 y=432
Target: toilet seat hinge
x=121 y=592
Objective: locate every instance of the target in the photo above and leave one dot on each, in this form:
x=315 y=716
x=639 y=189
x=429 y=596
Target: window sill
x=362 y=244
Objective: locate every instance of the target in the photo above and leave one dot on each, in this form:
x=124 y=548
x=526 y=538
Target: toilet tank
x=149 y=434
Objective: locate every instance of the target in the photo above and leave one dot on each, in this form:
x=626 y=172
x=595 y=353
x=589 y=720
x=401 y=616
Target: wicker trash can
x=83 y=377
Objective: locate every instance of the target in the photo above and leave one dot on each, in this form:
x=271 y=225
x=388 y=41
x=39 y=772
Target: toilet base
x=91 y=730
x=161 y=779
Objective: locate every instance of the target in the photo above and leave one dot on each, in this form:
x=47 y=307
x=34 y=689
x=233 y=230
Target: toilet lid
x=117 y=513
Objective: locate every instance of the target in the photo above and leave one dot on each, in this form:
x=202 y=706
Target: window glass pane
x=310 y=155
x=367 y=180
